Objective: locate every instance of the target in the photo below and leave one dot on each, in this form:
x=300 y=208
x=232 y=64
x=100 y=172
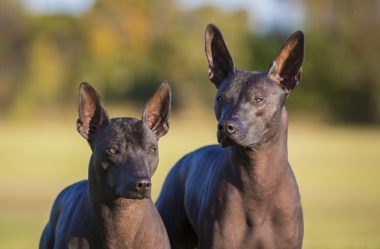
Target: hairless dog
x=242 y=193
x=113 y=209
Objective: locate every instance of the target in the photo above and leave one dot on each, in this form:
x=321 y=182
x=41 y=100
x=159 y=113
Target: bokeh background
x=126 y=48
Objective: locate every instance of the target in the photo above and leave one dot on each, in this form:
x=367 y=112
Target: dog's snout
x=143 y=185
x=228 y=126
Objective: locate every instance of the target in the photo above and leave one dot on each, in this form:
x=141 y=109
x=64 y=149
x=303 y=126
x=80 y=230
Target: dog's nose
x=143 y=185
x=228 y=126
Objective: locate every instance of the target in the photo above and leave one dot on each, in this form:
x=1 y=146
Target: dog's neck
x=121 y=222
x=117 y=221
x=259 y=170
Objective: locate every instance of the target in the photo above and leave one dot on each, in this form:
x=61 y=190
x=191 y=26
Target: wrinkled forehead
x=250 y=83
x=129 y=130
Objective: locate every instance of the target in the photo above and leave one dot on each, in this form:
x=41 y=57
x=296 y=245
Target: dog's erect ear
x=220 y=63
x=286 y=67
x=92 y=115
x=156 y=113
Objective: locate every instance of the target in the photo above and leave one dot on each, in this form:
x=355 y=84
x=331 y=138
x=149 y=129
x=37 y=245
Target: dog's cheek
x=256 y=131
x=153 y=165
x=217 y=111
x=110 y=180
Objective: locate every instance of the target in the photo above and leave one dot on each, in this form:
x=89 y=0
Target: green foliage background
x=127 y=47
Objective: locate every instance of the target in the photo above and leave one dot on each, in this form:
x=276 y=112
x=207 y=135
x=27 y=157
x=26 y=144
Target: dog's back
x=69 y=218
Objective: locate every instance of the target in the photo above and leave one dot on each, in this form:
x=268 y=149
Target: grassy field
x=338 y=170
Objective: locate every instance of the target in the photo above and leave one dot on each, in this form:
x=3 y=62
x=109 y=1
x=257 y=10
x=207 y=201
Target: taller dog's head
x=124 y=150
x=248 y=104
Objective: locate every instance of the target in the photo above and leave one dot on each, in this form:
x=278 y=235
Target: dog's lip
x=128 y=201
x=253 y=146
x=132 y=195
x=225 y=141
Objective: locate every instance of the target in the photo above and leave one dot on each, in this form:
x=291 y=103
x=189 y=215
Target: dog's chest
x=231 y=222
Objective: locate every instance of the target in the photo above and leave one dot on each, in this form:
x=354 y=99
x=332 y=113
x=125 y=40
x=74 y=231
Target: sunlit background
x=126 y=48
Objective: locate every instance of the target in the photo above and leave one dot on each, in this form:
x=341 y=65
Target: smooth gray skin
x=242 y=194
x=113 y=209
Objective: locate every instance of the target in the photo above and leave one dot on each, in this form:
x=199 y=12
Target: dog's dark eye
x=112 y=151
x=258 y=100
x=153 y=149
x=219 y=99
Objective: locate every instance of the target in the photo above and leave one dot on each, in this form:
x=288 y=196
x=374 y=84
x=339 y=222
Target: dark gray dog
x=113 y=208
x=242 y=194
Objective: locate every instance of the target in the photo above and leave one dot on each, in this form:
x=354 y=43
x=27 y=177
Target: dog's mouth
x=224 y=140
x=227 y=141
x=133 y=195
x=253 y=146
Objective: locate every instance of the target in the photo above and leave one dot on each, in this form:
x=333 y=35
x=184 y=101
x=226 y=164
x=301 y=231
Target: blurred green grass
x=337 y=168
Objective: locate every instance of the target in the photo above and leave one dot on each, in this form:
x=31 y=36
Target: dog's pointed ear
x=286 y=67
x=156 y=113
x=220 y=62
x=92 y=115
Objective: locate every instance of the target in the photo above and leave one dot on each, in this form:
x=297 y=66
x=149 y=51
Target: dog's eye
x=112 y=151
x=258 y=100
x=219 y=99
x=153 y=149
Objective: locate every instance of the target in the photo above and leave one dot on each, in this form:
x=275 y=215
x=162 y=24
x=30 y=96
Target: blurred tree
x=15 y=37
x=119 y=37
x=137 y=44
x=342 y=69
x=187 y=63
x=126 y=48
x=53 y=61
